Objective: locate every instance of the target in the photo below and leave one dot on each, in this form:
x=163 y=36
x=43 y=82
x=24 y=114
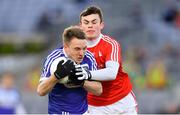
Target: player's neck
x=64 y=51
x=94 y=42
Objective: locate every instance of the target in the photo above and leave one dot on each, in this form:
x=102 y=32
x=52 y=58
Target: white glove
x=82 y=73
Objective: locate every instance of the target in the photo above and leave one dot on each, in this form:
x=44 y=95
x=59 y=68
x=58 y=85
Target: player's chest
x=100 y=56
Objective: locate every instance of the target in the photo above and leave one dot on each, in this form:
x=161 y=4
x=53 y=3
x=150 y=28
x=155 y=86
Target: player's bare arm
x=63 y=69
x=46 y=86
x=94 y=87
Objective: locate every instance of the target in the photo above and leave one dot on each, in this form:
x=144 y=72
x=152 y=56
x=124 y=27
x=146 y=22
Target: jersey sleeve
x=45 y=71
x=47 y=64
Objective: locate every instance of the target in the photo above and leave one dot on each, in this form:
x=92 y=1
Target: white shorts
x=126 y=106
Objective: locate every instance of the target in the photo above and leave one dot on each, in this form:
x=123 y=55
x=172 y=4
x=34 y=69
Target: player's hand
x=74 y=83
x=64 y=68
x=82 y=73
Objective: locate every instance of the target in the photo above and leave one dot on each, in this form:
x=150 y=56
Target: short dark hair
x=73 y=31
x=92 y=10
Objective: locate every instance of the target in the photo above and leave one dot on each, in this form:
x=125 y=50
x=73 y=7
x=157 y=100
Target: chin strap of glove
x=64 y=68
x=82 y=73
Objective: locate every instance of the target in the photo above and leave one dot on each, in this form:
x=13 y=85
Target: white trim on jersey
x=115 y=49
x=53 y=53
x=43 y=78
x=51 y=60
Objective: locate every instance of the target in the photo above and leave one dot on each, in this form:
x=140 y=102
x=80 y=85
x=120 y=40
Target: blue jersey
x=62 y=99
x=9 y=100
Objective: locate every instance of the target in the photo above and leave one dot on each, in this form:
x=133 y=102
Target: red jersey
x=105 y=50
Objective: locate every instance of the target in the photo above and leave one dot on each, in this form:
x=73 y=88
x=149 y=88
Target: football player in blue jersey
x=67 y=95
x=10 y=98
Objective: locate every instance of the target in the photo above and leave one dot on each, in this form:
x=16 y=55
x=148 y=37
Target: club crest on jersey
x=100 y=54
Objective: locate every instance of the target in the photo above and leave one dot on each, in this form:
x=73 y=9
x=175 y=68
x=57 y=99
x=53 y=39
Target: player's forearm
x=108 y=73
x=46 y=86
x=93 y=87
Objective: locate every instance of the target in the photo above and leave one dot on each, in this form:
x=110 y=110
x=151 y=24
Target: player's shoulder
x=88 y=54
x=109 y=40
x=55 y=52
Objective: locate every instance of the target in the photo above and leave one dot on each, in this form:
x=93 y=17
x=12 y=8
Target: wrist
x=85 y=84
x=57 y=76
x=54 y=79
x=82 y=85
x=89 y=75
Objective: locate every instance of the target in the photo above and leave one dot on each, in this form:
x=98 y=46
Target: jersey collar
x=94 y=42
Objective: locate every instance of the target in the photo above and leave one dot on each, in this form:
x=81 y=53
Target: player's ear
x=65 y=46
x=102 y=25
x=80 y=24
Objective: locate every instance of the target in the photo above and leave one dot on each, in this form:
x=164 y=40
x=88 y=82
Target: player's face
x=7 y=81
x=92 y=25
x=76 y=49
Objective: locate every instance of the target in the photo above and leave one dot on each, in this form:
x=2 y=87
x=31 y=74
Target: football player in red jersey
x=117 y=96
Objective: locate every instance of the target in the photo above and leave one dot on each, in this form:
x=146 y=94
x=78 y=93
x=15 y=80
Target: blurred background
x=148 y=31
